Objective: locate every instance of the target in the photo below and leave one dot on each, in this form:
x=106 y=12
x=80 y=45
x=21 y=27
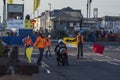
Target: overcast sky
x=105 y=7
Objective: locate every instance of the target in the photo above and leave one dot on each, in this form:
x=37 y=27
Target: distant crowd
x=90 y=36
x=102 y=35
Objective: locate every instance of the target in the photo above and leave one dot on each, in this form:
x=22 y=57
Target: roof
x=111 y=18
x=92 y=19
x=66 y=14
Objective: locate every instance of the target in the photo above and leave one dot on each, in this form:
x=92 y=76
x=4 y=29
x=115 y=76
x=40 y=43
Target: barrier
x=5 y=39
x=15 y=40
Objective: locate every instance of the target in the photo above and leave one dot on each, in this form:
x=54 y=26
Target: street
x=92 y=67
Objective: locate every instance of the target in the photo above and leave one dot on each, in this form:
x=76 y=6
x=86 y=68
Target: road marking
x=44 y=66
x=90 y=47
x=107 y=57
x=72 y=54
x=113 y=63
x=23 y=53
x=97 y=59
x=35 y=59
x=99 y=54
x=117 y=60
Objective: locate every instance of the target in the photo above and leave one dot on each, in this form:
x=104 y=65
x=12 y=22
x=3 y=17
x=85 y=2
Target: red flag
x=98 y=48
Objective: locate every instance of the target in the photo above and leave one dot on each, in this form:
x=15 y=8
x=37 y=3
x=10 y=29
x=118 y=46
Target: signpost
x=15 y=24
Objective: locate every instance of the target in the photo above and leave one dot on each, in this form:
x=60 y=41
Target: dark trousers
x=40 y=56
x=48 y=51
x=80 y=51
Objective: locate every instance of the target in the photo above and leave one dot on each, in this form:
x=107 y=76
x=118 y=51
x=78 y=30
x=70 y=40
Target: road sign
x=28 y=24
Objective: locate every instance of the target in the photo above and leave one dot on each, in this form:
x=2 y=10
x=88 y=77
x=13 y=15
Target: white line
x=23 y=53
x=99 y=54
x=117 y=60
x=44 y=64
x=107 y=57
x=72 y=54
x=97 y=59
x=113 y=63
x=90 y=47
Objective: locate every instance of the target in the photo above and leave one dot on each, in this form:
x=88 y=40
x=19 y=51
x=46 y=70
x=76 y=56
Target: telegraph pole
x=89 y=10
x=4 y=15
x=49 y=16
x=81 y=21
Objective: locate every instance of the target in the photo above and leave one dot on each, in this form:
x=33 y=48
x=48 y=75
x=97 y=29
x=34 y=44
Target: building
x=61 y=22
x=45 y=21
x=111 y=23
x=66 y=19
x=37 y=23
x=92 y=23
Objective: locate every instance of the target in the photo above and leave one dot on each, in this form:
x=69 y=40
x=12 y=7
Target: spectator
x=41 y=44
x=48 y=46
x=27 y=42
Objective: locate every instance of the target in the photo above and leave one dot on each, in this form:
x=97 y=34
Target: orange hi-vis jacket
x=78 y=39
x=40 y=42
x=28 y=41
x=48 y=42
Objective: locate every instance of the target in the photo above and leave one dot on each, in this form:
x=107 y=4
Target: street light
x=4 y=15
x=49 y=15
x=89 y=9
x=49 y=6
x=24 y=8
x=81 y=21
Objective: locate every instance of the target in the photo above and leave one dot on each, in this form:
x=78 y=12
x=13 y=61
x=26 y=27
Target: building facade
x=61 y=21
x=68 y=21
x=111 y=23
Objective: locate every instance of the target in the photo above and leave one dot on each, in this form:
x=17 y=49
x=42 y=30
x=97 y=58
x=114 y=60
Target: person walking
x=80 y=41
x=48 y=52
x=41 y=44
x=27 y=42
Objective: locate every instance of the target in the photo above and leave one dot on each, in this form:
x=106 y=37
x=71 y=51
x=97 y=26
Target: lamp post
x=89 y=10
x=81 y=21
x=23 y=7
x=4 y=15
x=49 y=15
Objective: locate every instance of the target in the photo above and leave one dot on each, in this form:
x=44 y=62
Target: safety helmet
x=60 y=40
x=49 y=36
